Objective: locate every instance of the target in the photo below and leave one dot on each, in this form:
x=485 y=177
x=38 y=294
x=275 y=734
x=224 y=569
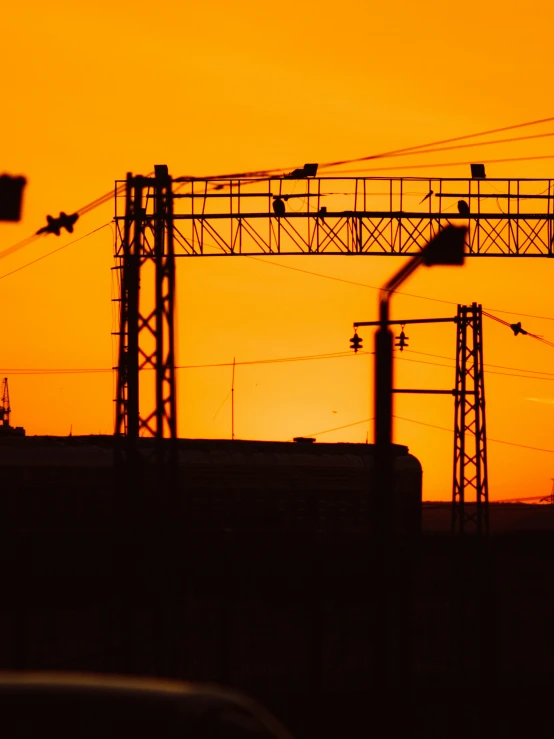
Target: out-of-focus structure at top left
x=11 y=197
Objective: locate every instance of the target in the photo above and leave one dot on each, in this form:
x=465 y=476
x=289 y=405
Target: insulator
x=356 y=342
x=402 y=341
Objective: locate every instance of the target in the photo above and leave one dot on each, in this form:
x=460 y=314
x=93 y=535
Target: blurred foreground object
x=11 y=196
x=42 y=705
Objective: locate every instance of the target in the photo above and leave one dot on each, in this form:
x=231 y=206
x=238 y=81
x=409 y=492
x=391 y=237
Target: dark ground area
x=273 y=593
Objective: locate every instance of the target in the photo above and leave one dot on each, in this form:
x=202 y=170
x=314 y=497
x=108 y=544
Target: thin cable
x=374 y=287
x=262 y=173
x=474 y=144
x=336 y=355
x=49 y=254
x=527 y=333
x=486 y=364
x=488 y=372
x=444 y=164
x=221 y=406
x=83 y=370
x=338 y=428
x=497 y=441
x=438 y=143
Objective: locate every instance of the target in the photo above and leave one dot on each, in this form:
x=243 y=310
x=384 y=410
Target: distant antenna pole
x=5 y=409
x=233 y=402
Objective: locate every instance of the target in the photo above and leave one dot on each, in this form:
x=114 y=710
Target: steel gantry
x=347 y=215
x=159 y=219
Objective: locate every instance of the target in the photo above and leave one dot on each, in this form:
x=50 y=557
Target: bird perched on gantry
x=463 y=208
x=429 y=194
x=278 y=205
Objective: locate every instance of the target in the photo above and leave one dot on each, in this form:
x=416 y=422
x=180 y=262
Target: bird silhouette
x=55 y=225
x=427 y=196
x=517 y=329
x=463 y=208
x=278 y=206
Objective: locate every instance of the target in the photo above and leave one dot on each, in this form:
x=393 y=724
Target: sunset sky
x=96 y=90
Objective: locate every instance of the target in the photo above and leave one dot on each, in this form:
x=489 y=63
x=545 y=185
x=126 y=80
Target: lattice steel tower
x=470 y=433
x=146 y=331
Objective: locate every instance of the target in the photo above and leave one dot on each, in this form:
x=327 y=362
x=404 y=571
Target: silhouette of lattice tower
x=145 y=255
x=470 y=495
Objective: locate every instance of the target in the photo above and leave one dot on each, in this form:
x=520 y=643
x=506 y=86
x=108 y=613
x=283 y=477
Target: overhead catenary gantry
x=354 y=215
x=159 y=219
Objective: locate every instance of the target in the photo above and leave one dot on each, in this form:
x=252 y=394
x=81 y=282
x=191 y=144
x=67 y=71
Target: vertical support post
x=127 y=459
x=146 y=474
x=382 y=494
x=470 y=435
x=128 y=253
x=472 y=567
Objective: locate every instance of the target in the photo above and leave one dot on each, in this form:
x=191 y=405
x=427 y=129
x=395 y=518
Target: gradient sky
x=95 y=90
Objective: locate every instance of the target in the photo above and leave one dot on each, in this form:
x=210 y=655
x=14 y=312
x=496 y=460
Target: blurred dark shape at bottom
x=44 y=705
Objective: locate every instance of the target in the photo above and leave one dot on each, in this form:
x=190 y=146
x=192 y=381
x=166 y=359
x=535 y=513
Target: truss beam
x=371 y=216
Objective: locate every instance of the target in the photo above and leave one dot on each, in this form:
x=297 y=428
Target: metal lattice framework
x=470 y=434
x=146 y=331
x=162 y=219
x=348 y=215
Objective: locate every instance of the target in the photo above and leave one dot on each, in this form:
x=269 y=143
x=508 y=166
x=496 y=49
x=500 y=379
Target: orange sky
x=99 y=89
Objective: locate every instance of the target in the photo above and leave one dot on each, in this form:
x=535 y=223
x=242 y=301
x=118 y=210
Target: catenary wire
x=110 y=194
x=486 y=364
x=69 y=370
x=443 y=141
x=338 y=428
x=337 y=355
x=497 y=441
x=472 y=145
x=446 y=164
x=398 y=292
x=435 y=426
x=54 y=251
x=488 y=372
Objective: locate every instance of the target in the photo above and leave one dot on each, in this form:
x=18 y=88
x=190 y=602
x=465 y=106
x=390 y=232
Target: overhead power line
x=49 y=254
x=487 y=371
x=338 y=428
x=497 y=441
x=487 y=364
x=511 y=140
x=518 y=329
x=399 y=292
x=434 y=426
x=395 y=152
x=102 y=199
x=83 y=370
x=336 y=355
x=445 y=164
x=384 y=154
